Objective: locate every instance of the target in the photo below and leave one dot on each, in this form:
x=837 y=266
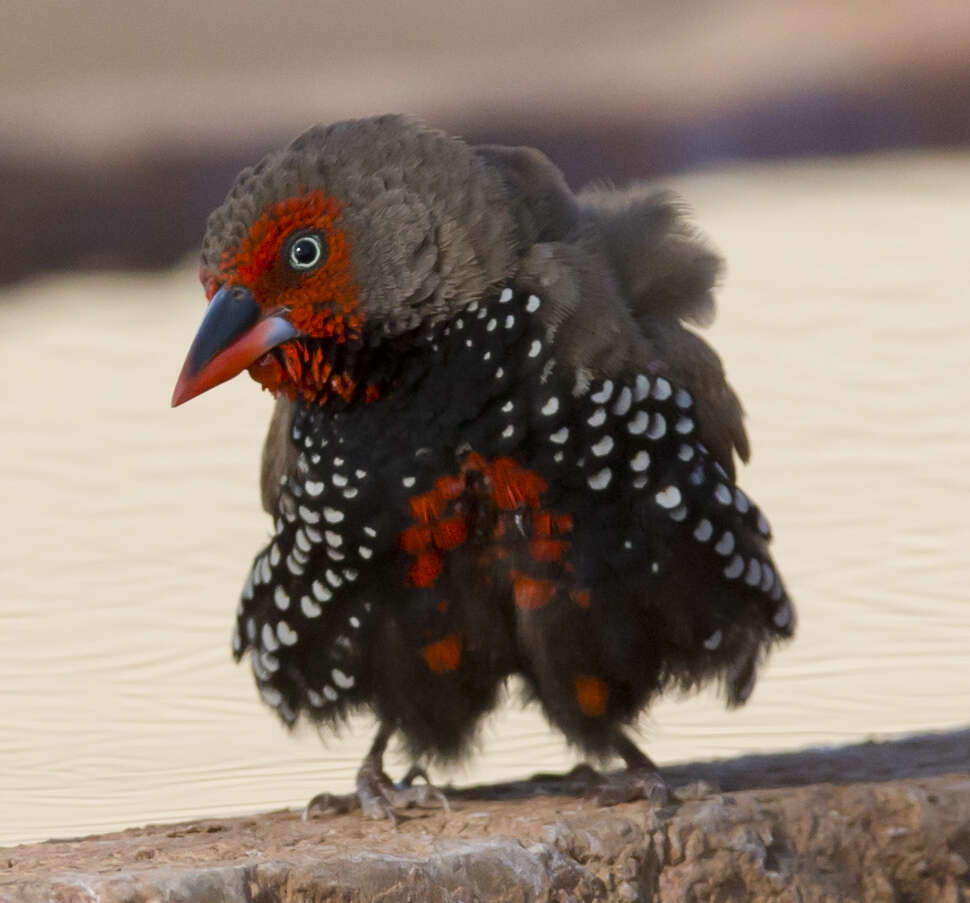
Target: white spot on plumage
x=303 y=541
x=247 y=590
x=597 y=418
x=342 y=680
x=269 y=662
x=764 y=528
x=339 y=480
x=313 y=534
x=782 y=617
x=360 y=474
x=560 y=436
x=508 y=407
x=640 y=461
x=370 y=531
x=641 y=387
x=767 y=577
x=725 y=545
x=506 y=296
x=460 y=323
x=532 y=305
x=722 y=494
x=713 y=641
x=601 y=479
x=639 y=482
x=696 y=476
x=333 y=578
x=735 y=568
x=408 y=482
x=603 y=395
x=491 y=324
x=535 y=348
x=679 y=513
x=684 y=426
x=334 y=555
x=603 y=447
x=685 y=453
x=354 y=621
x=741 y=501
x=682 y=398
x=313 y=487
x=668 y=497
x=508 y=431
x=251 y=629
x=638 y=424
x=308 y=515
x=704 y=530
x=268 y=638
x=236 y=640
x=558 y=457
x=658 y=427
x=282 y=598
x=661 y=389
x=332 y=515
x=499 y=372
x=294 y=566
x=623 y=402
x=509 y=321
x=287 y=635
x=271 y=696
x=350 y=492
x=330 y=692
x=299 y=556
x=333 y=539
x=274 y=556
x=264 y=569
x=753 y=576
x=309 y=607
x=320 y=592
x=551 y=406
x=351 y=574
x=365 y=552
x=315 y=699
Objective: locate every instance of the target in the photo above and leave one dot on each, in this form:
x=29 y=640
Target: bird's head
x=354 y=233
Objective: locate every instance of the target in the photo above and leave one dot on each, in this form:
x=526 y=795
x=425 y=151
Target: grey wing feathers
x=279 y=454
x=624 y=285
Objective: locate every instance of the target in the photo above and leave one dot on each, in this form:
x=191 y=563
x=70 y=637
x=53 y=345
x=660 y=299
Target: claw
x=632 y=784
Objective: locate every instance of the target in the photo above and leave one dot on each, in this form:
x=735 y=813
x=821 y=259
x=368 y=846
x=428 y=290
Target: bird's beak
x=234 y=334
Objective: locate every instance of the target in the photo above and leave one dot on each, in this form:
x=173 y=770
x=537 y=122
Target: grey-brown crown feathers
x=435 y=223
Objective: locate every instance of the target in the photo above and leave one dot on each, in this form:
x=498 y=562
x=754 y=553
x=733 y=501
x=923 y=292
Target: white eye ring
x=306 y=252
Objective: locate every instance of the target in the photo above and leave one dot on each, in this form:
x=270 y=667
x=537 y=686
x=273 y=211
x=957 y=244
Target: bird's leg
x=640 y=781
x=376 y=795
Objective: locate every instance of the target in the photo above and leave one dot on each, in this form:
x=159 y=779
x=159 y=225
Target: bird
x=499 y=449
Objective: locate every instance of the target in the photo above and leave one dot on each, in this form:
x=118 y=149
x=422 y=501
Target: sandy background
x=127 y=527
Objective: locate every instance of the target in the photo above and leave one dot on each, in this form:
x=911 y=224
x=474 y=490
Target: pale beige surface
x=128 y=526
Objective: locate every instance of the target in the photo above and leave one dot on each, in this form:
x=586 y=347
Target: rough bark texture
x=900 y=839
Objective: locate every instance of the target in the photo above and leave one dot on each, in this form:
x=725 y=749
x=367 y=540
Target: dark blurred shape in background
x=122 y=125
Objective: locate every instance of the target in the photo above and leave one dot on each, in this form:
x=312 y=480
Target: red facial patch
x=323 y=303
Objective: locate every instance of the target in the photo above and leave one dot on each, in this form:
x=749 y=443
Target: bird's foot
x=378 y=796
x=638 y=783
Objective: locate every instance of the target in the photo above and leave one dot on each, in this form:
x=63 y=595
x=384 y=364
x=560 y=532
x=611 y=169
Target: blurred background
x=825 y=148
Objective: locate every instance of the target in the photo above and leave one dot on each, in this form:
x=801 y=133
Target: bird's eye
x=306 y=252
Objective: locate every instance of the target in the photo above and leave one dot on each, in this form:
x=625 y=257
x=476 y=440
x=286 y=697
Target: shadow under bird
x=497 y=448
